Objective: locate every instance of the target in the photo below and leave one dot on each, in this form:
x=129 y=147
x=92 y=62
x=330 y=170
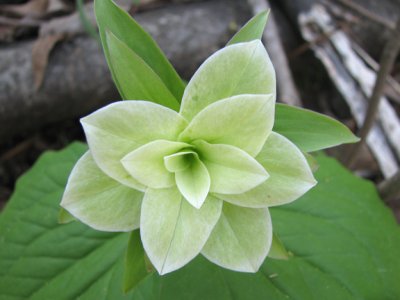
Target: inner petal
x=179 y=161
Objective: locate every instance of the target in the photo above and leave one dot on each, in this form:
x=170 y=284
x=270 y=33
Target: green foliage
x=112 y=18
x=252 y=30
x=343 y=239
x=309 y=130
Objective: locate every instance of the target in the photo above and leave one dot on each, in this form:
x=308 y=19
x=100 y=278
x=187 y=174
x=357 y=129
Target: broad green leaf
x=90 y=193
x=173 y=231
x=111 y=17
x=146 y=163
x=278 y=250
x=232 y=170
x=309 y=130
x=178 y=161
x=135 y=264
x=243 y=121
x=241 y=239
x=290 y=176
x=344 y=242
x=194 y=182
x=250 y=72
x=135 y=78
x=119 y=128
x=252 y=30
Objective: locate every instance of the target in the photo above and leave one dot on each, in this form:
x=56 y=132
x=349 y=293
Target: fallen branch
x=342 y=74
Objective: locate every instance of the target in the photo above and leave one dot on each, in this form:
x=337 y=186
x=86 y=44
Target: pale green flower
x=197 y=181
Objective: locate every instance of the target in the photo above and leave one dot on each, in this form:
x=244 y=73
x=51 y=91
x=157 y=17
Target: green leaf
x=232 y=170
x=252 y=30
x=278 y=250
x=135 y=78
x=250 y=72
x=65 y=217
x=241 y=239
x=289 y=176
x=309 y=130
x=194 y=182
x=89 y=194
x=243 y=121
x=146 y=163
x=343 y=238
x=111 y=17
x=119 y=128
x=173 y=231
x=135 y=264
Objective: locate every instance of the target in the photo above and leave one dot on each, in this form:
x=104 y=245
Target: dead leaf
x=40 y=56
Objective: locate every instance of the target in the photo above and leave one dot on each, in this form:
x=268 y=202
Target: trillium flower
x=197 y=181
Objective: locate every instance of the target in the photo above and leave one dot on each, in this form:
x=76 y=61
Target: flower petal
x=241 y=239
x=232 y=170
x=244 y=121
x=146 y=163
x=290 y=175
x=173 y=231
x=121 y=127
x=194 y=182
x=99 y=201
x=178 y=161
x=242 y=68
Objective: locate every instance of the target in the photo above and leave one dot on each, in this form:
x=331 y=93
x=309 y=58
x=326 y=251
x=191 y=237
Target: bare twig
x=393 y=85
x=388 y=58
x=390 y=189
x=368 y=14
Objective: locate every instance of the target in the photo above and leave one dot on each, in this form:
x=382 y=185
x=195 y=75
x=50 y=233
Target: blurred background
x=337 y=57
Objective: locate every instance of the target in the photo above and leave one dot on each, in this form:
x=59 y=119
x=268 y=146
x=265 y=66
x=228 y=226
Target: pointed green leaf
x=137 y=81
x=111 y=17
x=179 y=161
x=90 y=193
x=173 y=231
x=135 y=265
x=241 y=239
x=64 y=217
x=243 y=121
x=252 y=30
x=309 y=130
x=194 y=182
x=290 y=176
x=146 y=163
x=250 y=72
x=232 y=170
x=278 y=250
x=119 y=128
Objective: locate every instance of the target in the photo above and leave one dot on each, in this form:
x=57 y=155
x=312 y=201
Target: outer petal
x=119 y=128
x=146 y=163
x=243 y=68
x=241 y=239
x=232 y=170
x=99 y=201
x=173 y=231
x=194 y=182
x=244 y=121
x=290 y=175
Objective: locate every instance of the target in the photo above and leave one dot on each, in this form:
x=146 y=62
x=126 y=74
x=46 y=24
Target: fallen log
x=77 y=79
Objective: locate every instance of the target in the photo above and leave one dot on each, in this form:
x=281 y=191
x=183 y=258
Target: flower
x=197 y=181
